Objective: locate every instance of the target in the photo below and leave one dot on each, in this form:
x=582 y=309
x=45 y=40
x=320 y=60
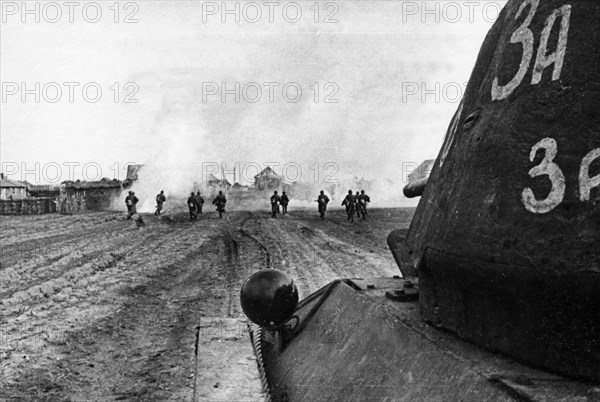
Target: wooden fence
x=28 y=206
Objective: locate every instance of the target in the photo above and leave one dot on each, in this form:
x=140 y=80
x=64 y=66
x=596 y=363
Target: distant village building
x=240 y=188
x=41 y=190
x=12 y=189
x=81 y=196
x=17 y=199
x=267 y=179
x=214 y=185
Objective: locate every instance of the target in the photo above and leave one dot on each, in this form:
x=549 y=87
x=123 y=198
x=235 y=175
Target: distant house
x=41 y=190
x=12 y=189
x=213 y=182
x=80 y=196
x=240 y=188
x=211 y=186
x=267 y=179
x=132 y=175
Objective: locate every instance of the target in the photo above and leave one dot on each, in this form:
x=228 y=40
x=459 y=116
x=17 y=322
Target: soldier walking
x=350 y=204
x=323 y=200
x=199 y=201
x=275 y=200
x=193 y=207
x=131 y=200
x=160 y=200
x=220 y=202
x=284 y=203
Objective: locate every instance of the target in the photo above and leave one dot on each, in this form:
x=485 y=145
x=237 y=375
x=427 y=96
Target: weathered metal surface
x=356 y=345
x=418 y=179
x=415 y=189
x=269 y=297
x=506 y=238
x=396 y=242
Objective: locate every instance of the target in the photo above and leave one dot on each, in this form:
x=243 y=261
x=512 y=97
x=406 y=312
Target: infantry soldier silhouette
x=350 y=204
x=131 y=200
x=193 y=207
x=363 y=200
x=199 y=201
x=323 y=200
x=275 y=200
x=220 y=202
x=284 y=203
x=160 y=200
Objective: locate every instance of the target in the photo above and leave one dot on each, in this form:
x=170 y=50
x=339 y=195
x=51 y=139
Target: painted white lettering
x=556 y=176
x=586 y=183
x=524 y=36
x=557 y=58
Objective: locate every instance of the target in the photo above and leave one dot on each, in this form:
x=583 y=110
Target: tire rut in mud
x=232 y=267
x=265 y=249
x=243 y=254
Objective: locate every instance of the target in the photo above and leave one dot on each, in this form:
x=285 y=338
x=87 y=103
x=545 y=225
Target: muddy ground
x=97 y=308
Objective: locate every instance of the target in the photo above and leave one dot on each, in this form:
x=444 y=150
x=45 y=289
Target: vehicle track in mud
x=97 y=308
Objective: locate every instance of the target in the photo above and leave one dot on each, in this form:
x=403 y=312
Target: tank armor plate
x=352 y=343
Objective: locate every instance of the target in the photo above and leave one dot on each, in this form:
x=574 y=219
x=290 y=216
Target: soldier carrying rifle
x=275 y=200
x=350 y=203
x=363 y=200
x=323 y=200
x=199 y=201
x=131 y=200
x=193 y=207
x=284 y=203
x=160 y=200
x=220 y=202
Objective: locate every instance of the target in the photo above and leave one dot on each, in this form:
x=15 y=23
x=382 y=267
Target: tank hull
x=352 y=343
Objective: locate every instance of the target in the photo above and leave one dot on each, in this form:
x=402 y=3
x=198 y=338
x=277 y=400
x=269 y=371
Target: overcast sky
x=371 y=61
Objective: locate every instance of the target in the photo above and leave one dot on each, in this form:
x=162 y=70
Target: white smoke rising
x=370 y=56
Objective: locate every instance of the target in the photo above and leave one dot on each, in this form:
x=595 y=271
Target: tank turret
x=506 y=238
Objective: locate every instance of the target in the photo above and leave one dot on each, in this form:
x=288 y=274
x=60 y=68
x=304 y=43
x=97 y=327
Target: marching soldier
x=199 y=201
x=323 y=200
x=131 y=200
x=284 y=203
x=220 y=202
x=350 y=204
x=275 y=200
x=160 y=200
x=193 y=207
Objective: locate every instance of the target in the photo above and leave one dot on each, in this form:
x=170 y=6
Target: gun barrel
x=415 y=188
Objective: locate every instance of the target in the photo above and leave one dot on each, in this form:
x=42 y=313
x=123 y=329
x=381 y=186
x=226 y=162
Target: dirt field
x=95 y=307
